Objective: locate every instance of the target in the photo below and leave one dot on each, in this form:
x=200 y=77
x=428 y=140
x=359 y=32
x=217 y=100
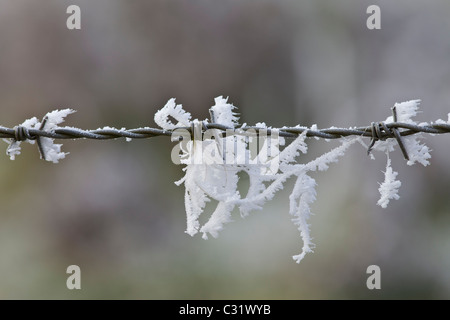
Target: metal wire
x=382 y=132
x=377 y=131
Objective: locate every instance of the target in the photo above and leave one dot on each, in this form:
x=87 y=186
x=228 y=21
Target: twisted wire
x=377 y=130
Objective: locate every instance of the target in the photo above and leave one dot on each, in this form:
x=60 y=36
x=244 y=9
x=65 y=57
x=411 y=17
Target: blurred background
x=111 y=207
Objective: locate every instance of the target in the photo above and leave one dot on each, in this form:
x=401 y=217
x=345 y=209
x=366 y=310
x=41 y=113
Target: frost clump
x=51 y=151
x=171 y=109
x=389 y=188
x=268 y=170
x=14 y=148
x=417 y=152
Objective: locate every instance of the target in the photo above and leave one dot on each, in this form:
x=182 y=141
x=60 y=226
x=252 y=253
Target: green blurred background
x=112 y=208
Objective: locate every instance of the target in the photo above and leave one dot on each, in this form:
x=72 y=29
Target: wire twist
x=376 y=129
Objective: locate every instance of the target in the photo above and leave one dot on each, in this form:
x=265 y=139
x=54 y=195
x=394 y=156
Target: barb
x=377 y=128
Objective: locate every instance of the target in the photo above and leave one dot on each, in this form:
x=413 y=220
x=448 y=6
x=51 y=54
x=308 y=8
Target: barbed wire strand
x=376 y=131
x=21 y=133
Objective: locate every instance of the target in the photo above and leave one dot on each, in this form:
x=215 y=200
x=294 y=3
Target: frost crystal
x=389 y=188
x=52 y=152
x=223 y=113
x=175 y=111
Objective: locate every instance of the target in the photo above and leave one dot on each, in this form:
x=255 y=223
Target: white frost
x=171 y=109
x=405 y=111
x=56 y=117
x=303 y=195
x=389 y=188
x=417 y=151
x=223 y=112
x=14 y=148
x=51 y=151
x=210 y=175
x=218 y=180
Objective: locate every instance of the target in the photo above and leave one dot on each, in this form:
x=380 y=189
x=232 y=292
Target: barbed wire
x=376 y=131
x=20 y=133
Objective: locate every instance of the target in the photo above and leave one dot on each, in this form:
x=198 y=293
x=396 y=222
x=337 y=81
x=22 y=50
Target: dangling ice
x=389 y=188
x=210 y=175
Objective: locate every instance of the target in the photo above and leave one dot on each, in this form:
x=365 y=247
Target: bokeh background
x=112 y=208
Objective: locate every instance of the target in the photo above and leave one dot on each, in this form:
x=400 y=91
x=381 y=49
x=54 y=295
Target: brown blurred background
x=112 y=208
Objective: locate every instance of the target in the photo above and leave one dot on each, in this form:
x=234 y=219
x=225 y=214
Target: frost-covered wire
x=107 y=133
x=210 y=176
